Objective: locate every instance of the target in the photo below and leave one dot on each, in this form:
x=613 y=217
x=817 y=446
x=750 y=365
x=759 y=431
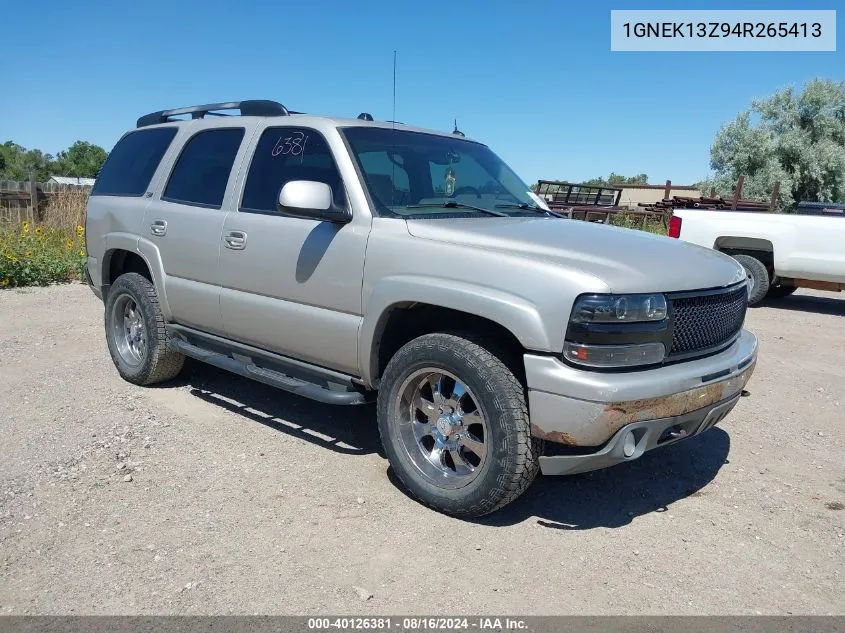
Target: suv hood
x=626 y=260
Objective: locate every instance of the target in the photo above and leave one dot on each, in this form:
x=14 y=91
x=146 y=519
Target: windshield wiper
x=528 y=207
x=452 y=204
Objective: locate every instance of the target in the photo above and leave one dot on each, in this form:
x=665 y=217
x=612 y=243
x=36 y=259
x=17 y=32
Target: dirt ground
x=216 y=495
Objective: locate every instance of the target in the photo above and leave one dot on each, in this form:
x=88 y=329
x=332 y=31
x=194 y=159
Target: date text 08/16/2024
x=417 y=623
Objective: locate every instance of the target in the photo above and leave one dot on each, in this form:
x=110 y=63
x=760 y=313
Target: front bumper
x=631 y=441
x=588 y=409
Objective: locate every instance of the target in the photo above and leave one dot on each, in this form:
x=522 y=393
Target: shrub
x=640 y=222
x=39 y=255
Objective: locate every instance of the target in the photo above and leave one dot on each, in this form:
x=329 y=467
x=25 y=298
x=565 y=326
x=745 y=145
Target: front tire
x=454 y=424
x=135 y=333
x=758 y=278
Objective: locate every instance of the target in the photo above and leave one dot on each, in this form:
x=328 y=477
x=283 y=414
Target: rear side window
x=202 y=171
x=284 y=154
x=132 y=163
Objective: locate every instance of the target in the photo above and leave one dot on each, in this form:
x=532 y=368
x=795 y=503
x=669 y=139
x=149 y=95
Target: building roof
x=72 y=180
x=623 y=185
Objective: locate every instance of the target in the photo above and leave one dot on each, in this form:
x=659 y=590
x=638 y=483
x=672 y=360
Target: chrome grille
x=707 y=320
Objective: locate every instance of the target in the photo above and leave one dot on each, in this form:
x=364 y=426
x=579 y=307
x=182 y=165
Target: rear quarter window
x=132 y=163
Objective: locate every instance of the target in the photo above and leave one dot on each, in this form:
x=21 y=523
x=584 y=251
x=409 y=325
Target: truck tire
x=135 y=333
x=758 y=278
x=454 y=425
x=780 y=291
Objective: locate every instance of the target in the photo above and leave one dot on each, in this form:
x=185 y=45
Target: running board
x=244 y=366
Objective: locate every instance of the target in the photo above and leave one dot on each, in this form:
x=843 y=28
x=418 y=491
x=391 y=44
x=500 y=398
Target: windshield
x=413 y=174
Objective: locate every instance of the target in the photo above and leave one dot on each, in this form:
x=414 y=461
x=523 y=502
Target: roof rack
x=253 y=107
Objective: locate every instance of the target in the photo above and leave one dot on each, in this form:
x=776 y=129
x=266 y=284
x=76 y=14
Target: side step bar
x=329 y=389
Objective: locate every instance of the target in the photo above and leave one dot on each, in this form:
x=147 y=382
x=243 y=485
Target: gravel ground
x=216 y=495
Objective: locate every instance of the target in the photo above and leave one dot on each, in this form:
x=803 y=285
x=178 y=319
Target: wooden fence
x=22 y=200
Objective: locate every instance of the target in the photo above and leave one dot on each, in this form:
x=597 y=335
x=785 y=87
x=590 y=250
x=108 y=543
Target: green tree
x=82 y=159
x=17 y=162
x=794 y=137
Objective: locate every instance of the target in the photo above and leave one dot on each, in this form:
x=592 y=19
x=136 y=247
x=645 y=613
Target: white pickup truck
x=780 y=252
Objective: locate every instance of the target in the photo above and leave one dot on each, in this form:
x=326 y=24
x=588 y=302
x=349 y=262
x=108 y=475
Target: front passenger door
x=293 y=285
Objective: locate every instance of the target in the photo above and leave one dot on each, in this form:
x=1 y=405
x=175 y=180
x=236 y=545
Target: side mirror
x=312 y=200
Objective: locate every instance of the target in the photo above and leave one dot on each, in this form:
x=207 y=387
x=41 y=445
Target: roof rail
x=365 y=116
x=253 y=107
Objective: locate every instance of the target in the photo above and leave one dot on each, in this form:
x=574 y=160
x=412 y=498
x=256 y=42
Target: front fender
x=516 y=314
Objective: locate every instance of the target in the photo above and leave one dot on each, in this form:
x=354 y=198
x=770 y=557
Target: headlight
x=612 y=331
x=619 y=308
x=609 y=356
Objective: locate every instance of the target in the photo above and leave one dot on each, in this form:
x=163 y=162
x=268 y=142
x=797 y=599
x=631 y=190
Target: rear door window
x=132 y=163
x=202 y=171
x=284 y=154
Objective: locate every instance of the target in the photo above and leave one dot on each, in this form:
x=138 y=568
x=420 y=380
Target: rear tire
x=779 y=291
x=758 y=278
x=135 y=333
x=454 y=424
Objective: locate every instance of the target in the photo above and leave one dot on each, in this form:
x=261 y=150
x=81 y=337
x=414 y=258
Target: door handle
x=236 y=240
x=158 y=228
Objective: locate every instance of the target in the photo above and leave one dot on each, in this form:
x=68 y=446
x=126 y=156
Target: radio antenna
x=393 y=117
x=393 y=137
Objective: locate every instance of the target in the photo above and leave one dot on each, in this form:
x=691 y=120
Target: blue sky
x=535 y=80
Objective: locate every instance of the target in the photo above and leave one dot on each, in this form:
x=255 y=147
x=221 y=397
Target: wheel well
x=752 y=246
x=406 y=322
x=121 y=261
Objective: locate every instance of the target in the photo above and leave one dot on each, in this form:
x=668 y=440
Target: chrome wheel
x=442 y=429
x=750 y=279
x=128 y=330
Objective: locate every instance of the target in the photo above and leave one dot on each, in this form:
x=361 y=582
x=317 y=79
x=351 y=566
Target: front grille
x=707 y=320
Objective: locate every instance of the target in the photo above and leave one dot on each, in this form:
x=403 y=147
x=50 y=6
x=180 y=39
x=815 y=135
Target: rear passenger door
x=185 y=220
x=293 y=285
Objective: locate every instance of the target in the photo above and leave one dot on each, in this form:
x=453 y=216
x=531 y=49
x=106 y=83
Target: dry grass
x=66 y=209
x=61 y=210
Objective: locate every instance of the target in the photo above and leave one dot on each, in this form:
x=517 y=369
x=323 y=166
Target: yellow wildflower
x=81 y=253
x=26 y=227
x=39 y=230
x=80 y=230
x=69 y=244
x=28 y=254
x=4 y=283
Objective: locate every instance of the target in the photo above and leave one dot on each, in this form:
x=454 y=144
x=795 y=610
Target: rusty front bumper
x=631 y=441
x=588 y=409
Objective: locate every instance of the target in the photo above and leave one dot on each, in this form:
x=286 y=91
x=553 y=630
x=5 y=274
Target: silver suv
x=351 y=260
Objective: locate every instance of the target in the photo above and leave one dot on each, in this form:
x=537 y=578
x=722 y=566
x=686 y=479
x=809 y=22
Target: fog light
x=629 y=445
